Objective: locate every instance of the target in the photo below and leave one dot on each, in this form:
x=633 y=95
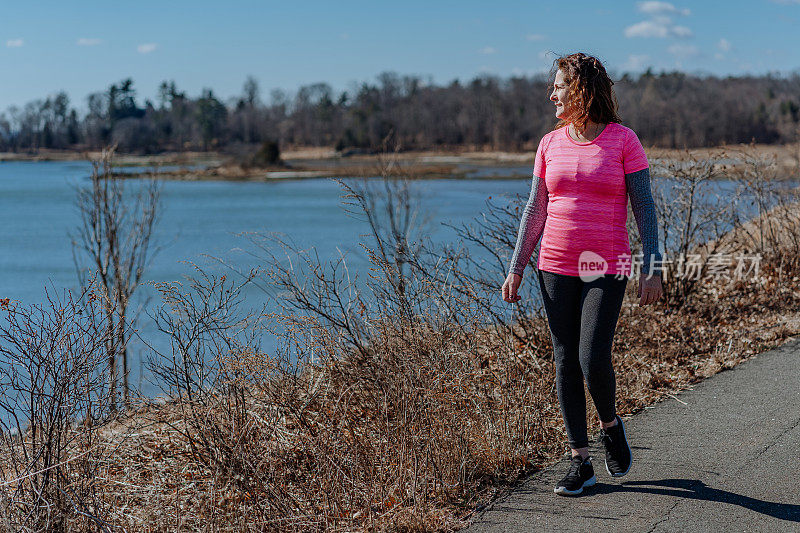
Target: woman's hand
x=649 y=290
x=510 y=287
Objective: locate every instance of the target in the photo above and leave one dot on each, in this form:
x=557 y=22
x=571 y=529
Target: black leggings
x=582 y=317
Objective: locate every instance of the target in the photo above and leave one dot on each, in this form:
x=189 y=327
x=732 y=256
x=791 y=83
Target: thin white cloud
x=660 y=23
x=14 y=43
x=146 y=48
x=85 y=41
x=535 y=37
x=681 y=31
x=683 y=50
x=646 y=28
x=724 y=45
x=658 y=29
x=488 y=50
x=661 y=20
x=661 y=8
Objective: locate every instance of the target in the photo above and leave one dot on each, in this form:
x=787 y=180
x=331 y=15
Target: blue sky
x=84 y=46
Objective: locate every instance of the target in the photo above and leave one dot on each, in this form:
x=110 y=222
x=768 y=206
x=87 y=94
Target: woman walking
x=585 y=171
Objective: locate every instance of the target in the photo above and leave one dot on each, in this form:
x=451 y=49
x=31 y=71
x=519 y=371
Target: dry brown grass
x=416 y=437
x=402 y=405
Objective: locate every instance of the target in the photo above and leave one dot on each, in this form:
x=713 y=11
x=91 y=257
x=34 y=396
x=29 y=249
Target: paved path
x=727 y=461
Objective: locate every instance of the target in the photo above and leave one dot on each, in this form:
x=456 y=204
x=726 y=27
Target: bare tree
x=767 y=222
x=493 y=233
x=693 y=214
x=114 y=242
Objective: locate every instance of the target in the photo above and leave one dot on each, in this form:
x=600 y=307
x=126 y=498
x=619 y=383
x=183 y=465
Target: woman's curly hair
x=589 y=89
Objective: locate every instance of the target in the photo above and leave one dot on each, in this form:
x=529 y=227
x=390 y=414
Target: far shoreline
x=324 y=162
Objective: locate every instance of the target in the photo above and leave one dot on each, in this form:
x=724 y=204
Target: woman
x=584 y=172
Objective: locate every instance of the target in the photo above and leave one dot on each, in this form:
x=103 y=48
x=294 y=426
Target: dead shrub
x=403 y=400
x=54 y=399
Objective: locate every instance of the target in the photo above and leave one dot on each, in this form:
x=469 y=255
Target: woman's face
x=560 y=97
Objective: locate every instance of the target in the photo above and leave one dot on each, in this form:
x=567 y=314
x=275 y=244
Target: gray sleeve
x=638 y=185
x=530 y=227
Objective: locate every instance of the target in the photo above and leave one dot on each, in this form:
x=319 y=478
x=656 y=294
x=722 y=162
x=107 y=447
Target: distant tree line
x=667 y=109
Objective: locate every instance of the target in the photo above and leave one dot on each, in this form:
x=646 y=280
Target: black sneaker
x=618 y=453
x=581 y=474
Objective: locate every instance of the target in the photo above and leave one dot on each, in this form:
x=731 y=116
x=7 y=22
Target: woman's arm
x=530 y=227
x=638 y=184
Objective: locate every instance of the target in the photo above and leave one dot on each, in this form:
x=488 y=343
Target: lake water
x=38 y=213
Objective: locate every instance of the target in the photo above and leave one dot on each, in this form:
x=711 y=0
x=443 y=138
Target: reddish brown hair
x=589 y=89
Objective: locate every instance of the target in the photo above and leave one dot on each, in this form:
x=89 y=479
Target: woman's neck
x=589 y=132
